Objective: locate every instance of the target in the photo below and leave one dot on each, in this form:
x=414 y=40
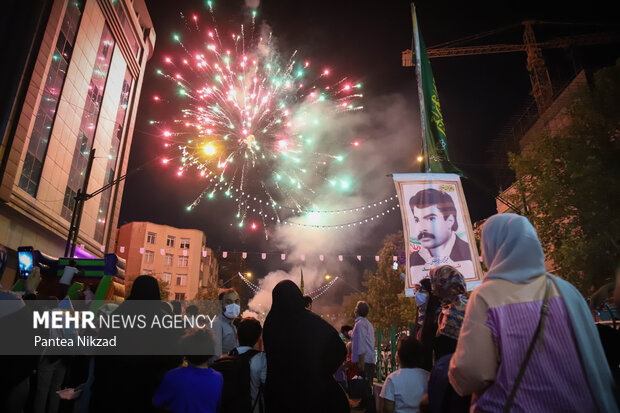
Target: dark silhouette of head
x=410 y=352
x=308 y=301
x=362 y=308
x=249 y=331
x=145 y=287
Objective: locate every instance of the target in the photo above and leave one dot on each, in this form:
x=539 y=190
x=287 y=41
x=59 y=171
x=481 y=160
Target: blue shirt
x=363 y=340
x=190 y=390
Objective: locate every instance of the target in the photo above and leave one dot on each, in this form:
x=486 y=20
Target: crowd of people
x=523 y=341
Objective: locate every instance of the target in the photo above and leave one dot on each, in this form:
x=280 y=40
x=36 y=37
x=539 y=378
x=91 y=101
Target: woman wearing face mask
x=422 y=292
x=430 y=309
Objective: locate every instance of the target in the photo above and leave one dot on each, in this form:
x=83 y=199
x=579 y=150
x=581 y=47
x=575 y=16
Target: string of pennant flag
x=265 y=255
x=301 y=257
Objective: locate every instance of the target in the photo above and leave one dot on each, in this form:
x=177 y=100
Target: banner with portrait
x=437 y=227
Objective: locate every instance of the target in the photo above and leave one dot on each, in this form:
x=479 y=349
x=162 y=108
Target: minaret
x=301 y=284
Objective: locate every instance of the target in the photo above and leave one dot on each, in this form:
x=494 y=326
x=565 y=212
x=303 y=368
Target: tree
x=208 y=292
x=385 y=290
x=570 y=180
x=388 y=304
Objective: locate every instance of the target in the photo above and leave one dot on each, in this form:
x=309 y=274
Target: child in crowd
x=195 y=388
x=249 y=331
x=403 y=389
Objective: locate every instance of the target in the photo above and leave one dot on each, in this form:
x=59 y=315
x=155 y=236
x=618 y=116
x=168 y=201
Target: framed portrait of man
x=437 y=227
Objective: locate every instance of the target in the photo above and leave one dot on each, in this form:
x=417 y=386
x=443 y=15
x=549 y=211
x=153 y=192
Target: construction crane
x=539 y=75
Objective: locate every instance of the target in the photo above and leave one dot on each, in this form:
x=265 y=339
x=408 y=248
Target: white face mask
x=232 y=310
x=420 y=298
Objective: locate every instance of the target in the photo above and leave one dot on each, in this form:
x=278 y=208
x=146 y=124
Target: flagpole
x=418 y=66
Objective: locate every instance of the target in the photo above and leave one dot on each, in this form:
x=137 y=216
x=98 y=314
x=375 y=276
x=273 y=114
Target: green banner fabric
x=436 y=157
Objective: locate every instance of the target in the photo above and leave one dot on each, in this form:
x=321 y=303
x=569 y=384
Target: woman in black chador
x=303 y=353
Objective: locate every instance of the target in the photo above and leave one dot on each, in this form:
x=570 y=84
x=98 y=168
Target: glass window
x=150 y=237
x=185 y=243
x=50 y=97
x=148 y=256
x=166 y=277
x=181 y=279
x=170 y=241
x=147 y=272
x=183 y=261
x=179 y=296
x=168 y=259
x=104 y=202
x=127 y=27
x=90 y=117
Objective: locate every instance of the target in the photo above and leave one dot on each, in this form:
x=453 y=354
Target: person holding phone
x=26 y=261
x=67 y=276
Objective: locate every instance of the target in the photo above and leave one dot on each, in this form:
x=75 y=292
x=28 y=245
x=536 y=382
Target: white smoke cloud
x=388 y=129
x=253 y=4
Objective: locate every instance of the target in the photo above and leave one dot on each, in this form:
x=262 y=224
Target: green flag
x=436 y=157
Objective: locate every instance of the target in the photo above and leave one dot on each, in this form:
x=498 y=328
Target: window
x=185 y=243
x=50 y=98
x=183 y=261
x=147 y=272
x=179 y=296
x=166 y=277
x=122 y=17
x=148 y=256
x=104 y=202
x=150 y=238
x=170 y=241
x=168 y=259
x=181 y=279
x=90 y=118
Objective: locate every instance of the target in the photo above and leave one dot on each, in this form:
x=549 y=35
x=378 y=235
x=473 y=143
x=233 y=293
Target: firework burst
x=250 y=122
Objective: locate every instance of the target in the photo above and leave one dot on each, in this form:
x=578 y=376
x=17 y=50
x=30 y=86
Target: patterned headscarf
x=447 y=284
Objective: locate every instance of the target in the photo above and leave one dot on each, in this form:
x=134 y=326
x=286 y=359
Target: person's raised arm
x=32 y=282
x=474 y=363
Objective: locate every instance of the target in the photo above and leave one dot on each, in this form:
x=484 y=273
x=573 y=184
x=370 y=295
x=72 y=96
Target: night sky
x=480 y=95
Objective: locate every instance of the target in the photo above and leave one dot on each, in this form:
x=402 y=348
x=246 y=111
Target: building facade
x=79 y=91
x=552 y=121
x=178 y=257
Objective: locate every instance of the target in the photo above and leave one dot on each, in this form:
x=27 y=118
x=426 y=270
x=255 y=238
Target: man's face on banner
x=431 y=229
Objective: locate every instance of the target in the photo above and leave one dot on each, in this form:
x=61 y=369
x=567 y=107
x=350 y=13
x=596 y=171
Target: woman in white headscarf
x=513 y=356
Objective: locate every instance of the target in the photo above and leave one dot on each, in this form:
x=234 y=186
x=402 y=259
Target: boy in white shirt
x=69 y=272
x=403 y=389
x=248 y=333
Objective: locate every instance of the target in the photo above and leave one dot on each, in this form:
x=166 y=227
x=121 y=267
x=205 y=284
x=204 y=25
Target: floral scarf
x=449 y=286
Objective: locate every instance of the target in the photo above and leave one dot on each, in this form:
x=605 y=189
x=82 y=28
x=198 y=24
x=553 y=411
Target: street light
x=327 y=276
x=420 y=158
x=248 y=274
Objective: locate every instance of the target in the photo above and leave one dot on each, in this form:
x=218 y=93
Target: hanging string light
x=319 y=291
x=314 y=294
x=246 y=198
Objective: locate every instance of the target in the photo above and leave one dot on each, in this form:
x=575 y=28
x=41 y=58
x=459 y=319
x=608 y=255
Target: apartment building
x=77 y=85
x=178 y=257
